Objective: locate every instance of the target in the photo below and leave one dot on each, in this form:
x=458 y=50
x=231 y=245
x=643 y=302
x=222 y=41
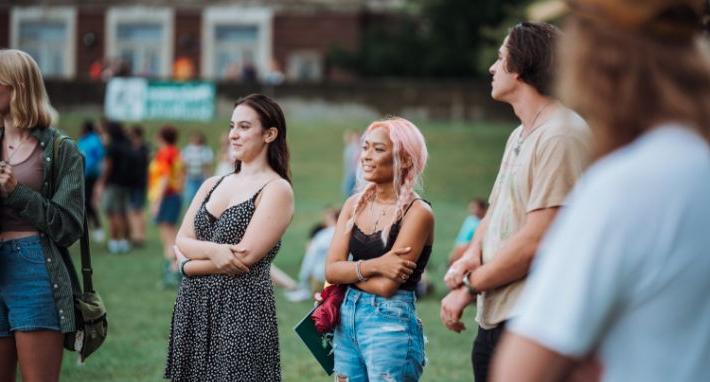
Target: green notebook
x=318 y=344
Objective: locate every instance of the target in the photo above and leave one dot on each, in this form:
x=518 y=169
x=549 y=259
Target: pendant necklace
x=380 y=216
x=521 y=138
x=14 y=150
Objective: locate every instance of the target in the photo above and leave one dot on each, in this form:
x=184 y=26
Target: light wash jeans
x=26 y=302
x=379 y=339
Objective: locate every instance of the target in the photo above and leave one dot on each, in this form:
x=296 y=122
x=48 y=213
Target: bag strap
x=86 y=271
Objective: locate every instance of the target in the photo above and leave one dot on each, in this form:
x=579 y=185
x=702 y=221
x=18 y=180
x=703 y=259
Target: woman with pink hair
x=388 y=232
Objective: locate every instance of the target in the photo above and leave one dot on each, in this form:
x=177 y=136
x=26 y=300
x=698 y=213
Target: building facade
x=237 y=40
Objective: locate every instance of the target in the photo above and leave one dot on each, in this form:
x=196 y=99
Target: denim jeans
x=379 y=339
x=192 y=185
x=26 y=302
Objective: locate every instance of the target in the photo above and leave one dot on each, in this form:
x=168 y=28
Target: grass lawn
x=464 y=160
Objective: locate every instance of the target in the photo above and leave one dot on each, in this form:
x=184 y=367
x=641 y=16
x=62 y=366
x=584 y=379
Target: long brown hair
x=270 y=115
x=625 y=83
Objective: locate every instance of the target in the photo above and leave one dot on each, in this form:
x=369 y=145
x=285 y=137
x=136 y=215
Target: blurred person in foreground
x=542 y=160
x=41 y=215
x=92 y=149
x=477 y=210
x=165 y=182
x=137 y=190
x=624 y=273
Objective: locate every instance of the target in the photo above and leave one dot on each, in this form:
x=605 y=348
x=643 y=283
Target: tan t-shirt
x=539 y=176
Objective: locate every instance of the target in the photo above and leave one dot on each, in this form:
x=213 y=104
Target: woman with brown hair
x=622 y=277
x=224 y=323
x=42 y=210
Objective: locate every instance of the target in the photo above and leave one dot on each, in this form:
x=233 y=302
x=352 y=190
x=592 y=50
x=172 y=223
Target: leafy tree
x=432 y=38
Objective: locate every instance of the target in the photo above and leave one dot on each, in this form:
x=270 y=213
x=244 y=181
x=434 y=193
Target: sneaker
x=298 y=295
x=112 y=246
x=98 y=235
x=124 y=246
x=170 y=279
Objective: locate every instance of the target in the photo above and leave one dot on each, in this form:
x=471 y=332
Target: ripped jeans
x=378 y=339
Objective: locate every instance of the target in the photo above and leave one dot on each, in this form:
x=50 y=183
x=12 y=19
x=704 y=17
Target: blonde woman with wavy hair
x=39 y=218
x=388 y=231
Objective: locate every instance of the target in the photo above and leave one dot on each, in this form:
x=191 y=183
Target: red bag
x=327 y=315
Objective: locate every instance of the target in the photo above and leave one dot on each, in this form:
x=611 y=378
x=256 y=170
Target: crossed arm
x=272 y=216
x=384 y=274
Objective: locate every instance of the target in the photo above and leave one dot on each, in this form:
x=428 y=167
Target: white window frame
x=162 y=15
x=67 y=15
x=305 y=55
x=260 y=17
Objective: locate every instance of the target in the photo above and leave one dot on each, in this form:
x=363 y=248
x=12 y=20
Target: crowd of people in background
x=560 y=293
x=125 y=178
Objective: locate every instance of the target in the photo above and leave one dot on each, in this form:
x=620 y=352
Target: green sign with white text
x=137 y=99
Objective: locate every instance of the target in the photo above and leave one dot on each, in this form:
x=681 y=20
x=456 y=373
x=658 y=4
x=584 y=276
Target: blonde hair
x=409 y=160
x=625 y=83
x=29 y=104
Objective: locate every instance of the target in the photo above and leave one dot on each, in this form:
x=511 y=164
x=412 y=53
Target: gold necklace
x=14 y=150
x=521 y=138
x=377 y=220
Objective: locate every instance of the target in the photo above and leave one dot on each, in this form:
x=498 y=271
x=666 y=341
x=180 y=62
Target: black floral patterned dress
x=224 y=327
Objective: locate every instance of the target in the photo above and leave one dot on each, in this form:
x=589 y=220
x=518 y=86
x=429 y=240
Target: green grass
x=464 y=160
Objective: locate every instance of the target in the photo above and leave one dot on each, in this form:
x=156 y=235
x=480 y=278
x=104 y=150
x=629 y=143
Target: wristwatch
x=467 y=283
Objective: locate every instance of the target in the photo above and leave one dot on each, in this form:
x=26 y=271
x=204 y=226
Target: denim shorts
x=378 y=338
x=136 y=198
x=26 y=300
x=169 y=210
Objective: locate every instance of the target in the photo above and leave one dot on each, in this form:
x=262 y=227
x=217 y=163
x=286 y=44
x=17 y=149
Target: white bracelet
x=360 y=277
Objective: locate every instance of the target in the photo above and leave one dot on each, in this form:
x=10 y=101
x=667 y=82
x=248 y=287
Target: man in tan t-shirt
x=542 y=160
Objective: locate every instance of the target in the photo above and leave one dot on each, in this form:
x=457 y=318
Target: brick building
x=212 y=39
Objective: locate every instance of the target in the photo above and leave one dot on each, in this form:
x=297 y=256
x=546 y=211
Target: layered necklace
x=521 y=137
x=379 y=216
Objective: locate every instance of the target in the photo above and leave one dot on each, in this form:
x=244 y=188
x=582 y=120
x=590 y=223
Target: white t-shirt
x=625 y=270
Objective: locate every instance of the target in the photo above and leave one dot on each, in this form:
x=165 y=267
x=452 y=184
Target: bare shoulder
x=420 y=212
x=280 y=189
x=347 y=210
x=209 y=183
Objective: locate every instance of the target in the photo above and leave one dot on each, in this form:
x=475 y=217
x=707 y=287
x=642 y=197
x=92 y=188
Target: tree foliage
x=436 y=38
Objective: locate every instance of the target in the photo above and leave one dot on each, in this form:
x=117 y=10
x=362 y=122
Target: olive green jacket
x=58 y=216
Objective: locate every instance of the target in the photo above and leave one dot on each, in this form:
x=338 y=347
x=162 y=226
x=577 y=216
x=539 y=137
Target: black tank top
x=366 y=247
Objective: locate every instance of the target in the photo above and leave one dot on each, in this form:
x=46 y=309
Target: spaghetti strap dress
x=224 y=327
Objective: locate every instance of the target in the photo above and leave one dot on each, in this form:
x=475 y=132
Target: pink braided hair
x=409 y=156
